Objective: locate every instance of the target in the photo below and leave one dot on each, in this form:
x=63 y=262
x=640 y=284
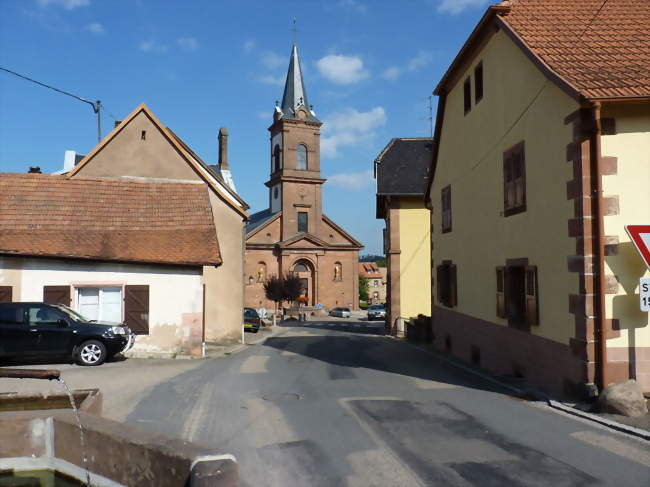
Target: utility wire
x=592 y=19
x=93 y=104
x=97 y=106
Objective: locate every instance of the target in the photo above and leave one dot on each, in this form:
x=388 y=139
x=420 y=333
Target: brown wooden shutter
x=532 y=297
x=502 y=312
x=439 y=283
x=6 y=294
x=453 y=288
x=136 y=309
x=57 y=294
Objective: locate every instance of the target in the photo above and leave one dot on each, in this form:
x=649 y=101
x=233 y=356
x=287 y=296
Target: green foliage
x=363 y=304
x=381 y=262
x=292 y=287
x=273 y=289
x=363 y=288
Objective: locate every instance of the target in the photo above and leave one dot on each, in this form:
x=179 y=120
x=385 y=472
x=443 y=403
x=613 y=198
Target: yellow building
x=542 y=156
x=402 y=174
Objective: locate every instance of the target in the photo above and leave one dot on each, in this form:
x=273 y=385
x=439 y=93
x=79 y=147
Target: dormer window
x=301 y=158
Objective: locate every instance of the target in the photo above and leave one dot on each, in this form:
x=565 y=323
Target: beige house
x=376 y=277
x=402 y=172
x=542 y=156
x=293 y=235
x=141 y=149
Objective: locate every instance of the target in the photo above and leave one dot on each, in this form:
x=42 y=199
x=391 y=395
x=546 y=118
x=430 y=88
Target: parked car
x=44 y=330
x=252 y=320
x=341 y=312
x=376 y=311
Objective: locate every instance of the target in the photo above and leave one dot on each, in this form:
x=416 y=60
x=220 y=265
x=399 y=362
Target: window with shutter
x=446 y=284
x=467 y=96
x=136 y=309
x=514 y=180
x=6 y=294
x=57 y=294
x=478 y=82
x=532 y=297
x=501 y=292
x=453 y=292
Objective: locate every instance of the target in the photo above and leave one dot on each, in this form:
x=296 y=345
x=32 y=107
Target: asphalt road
x=334 y=404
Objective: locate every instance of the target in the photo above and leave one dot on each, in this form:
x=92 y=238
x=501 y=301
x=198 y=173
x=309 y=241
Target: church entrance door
x=305 y=271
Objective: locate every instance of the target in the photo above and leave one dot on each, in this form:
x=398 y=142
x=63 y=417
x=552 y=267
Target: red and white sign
x=640 y=235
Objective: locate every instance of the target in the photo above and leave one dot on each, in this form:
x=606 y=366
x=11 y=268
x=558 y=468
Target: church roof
x=295 y=94
x=256 y=220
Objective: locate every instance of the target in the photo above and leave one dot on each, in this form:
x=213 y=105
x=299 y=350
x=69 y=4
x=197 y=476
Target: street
x=335 y=404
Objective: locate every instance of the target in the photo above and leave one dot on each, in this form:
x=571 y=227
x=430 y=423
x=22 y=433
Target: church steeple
x=295 y=94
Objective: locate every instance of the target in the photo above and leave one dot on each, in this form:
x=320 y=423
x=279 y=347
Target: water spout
x=81 y=429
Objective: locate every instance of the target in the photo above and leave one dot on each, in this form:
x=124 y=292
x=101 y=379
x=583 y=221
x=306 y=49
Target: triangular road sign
x=640 y=235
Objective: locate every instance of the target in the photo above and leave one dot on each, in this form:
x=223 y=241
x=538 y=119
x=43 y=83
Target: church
x=294 y=235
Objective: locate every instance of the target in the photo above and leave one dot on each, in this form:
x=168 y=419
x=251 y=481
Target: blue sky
x=369 y=68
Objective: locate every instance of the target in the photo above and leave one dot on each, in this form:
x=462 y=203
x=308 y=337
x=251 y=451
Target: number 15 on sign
x=644 y=291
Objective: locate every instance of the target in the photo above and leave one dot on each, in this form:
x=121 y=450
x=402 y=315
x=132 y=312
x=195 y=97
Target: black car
x=252 y=320
x=41 y=329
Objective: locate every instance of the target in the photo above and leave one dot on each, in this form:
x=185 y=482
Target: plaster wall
x=11 y=274
x=175 y=295
x=631 y=147
x=155 y=157
x=224 y=291
x=519 y=104
x=415 y=258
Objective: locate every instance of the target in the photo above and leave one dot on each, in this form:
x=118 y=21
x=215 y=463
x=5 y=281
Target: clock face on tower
x=302 y=189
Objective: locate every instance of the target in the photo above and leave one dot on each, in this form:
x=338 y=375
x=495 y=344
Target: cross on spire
x=294 y=29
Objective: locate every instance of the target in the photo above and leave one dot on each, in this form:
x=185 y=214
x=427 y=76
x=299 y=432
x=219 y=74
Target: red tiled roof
x=369 y=269
x=107 y=219
x=601 y=52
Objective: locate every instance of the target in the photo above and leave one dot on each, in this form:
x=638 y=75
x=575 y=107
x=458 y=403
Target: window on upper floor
x=302 y=221
x=301 y=158
x=446 y=209
x=277 y=158
x=467 y=96
x=514 y=180
x=478 y=82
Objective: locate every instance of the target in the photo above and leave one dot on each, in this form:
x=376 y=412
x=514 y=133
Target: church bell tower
x=295 y=184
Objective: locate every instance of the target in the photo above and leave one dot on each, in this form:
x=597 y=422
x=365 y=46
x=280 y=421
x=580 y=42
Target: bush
x=363 y=305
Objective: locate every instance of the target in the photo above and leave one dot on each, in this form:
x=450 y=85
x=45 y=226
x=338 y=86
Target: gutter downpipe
x=599 y=235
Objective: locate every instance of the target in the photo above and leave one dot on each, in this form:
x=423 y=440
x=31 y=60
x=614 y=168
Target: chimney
x=116 y=123
x=34 y=170
x=69 y=160
x=223 y=148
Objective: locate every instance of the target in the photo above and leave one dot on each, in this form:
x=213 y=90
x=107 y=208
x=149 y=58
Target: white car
x=376 y=311
x=341 y=312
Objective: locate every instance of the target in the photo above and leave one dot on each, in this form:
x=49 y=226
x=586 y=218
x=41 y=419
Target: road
x=335 y=404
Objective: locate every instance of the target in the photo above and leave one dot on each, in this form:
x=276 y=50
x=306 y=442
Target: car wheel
x=92 y=352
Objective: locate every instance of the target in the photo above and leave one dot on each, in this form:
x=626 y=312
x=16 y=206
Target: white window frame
x=101 y=288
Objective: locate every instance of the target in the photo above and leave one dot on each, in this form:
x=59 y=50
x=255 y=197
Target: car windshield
x=71 y=313
x=377 y=307
x=250 y=313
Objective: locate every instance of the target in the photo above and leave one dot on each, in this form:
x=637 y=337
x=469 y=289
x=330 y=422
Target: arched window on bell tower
x=277 y=158
x=301 y=158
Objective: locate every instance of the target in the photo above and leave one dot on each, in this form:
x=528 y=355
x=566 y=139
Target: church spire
x=295 y=94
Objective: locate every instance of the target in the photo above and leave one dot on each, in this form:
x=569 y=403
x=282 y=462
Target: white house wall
x=175 y=296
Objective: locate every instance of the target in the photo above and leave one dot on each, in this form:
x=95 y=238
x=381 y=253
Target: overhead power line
x=97 y=105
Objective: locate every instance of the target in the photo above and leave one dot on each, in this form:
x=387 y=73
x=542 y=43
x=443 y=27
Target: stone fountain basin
x=87 y=400
x=118 y=454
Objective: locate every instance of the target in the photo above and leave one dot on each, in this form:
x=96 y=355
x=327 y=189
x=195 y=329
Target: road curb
x=528 y=392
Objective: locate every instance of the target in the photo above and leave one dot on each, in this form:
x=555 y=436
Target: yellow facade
x=415 y=255
x=519 y=104
x=631 y=184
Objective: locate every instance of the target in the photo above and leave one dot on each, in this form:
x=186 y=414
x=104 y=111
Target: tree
x=273 y=289
x=363 y=288
x=292 y=287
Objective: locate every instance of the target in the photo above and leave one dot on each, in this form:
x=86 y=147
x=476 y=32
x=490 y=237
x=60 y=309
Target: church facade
x=293 y=235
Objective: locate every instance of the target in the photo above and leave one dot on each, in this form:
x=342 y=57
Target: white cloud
x=273 y=60
x=270 y=79
x=342 y=70
x=349 y=128
x=188 y=43
x=421 y=59
x=354 y=181
x=95 y=28
x=249 y=45
x=457 y=6
x=66 y=4
x=152 y=46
